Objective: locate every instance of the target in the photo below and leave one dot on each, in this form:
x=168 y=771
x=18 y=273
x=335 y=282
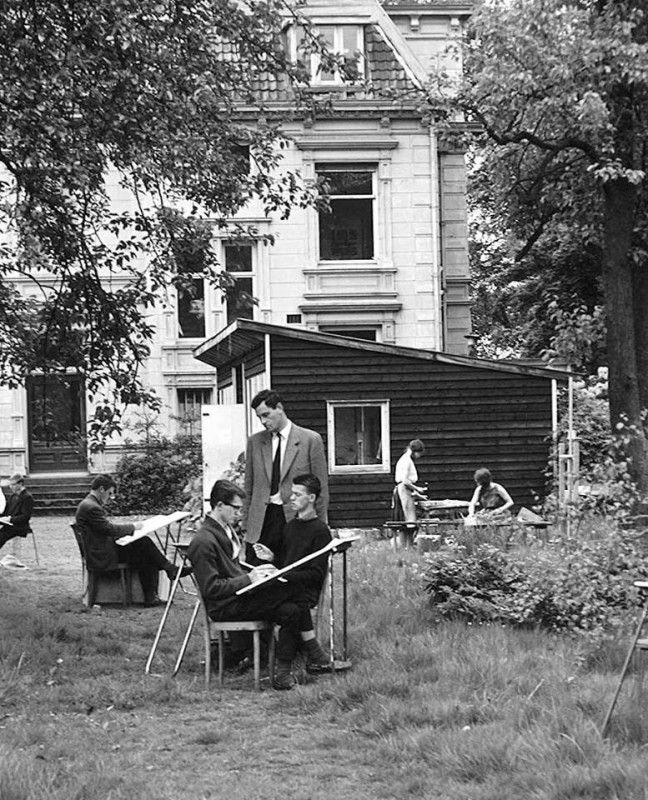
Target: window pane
x=238 y=257
x=239 y=300
x=327 y=32
x=346 y=232
x=190 y=402
x=191 y=310
x=357 y=435
x=349 y=39
x=348 y=182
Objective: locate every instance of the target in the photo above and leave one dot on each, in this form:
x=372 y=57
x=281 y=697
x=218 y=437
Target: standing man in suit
x=272 y=459
x=19 y=509
x=100 y=536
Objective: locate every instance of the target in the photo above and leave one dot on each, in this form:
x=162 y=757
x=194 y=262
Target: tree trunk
x=625 y=333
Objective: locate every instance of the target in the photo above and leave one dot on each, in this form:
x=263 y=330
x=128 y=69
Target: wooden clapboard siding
x=468 y=417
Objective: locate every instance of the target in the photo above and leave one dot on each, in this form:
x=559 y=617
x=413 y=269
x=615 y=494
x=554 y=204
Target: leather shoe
x=154 y=603
x=283 y=683
x=323 y=667
x=172 y=571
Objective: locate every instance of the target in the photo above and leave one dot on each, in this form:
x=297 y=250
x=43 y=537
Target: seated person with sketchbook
x=19 y=508
x=214 y=553
x=102 y=551
x=303 y=535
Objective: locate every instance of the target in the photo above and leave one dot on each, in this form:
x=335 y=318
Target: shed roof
x=245 y=335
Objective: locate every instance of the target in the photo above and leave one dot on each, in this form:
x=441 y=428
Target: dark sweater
x=301 y=538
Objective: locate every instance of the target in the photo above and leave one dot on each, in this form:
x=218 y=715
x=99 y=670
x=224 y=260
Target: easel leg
x=167 y=608
x=187 y=636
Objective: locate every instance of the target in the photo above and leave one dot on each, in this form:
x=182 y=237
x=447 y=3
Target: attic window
x=341 y=40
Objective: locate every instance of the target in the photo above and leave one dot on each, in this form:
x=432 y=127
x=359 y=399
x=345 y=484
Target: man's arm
x=208 y=568
x=319 y=467
x=93 y=516
x=248 y=484
x=25 y=511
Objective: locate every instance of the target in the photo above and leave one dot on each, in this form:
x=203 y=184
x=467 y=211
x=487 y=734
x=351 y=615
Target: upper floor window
x=191 y=309
x=239 y=262
x=346 y=230
x=347 y=41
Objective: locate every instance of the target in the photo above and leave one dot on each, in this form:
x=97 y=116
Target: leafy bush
x=584 y=590
x=151 y=478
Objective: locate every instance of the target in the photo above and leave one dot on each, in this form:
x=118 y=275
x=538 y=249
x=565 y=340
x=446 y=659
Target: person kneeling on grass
x=214 y=554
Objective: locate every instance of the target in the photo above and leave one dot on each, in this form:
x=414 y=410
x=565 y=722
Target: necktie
x=276 y=468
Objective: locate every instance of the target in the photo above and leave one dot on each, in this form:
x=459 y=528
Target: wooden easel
x=638 y=645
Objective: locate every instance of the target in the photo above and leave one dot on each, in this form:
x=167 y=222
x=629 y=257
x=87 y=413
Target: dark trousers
x=7 y=533
x=274 y=523
x=144 y=557
x=277 y=602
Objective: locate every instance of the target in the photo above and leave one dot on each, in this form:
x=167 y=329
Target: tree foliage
x=560 y=90
x=163 y=97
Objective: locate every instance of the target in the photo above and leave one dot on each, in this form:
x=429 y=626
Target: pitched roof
x=244 y=335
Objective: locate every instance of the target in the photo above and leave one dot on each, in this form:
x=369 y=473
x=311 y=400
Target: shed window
x=346 y=229
x=358 y=435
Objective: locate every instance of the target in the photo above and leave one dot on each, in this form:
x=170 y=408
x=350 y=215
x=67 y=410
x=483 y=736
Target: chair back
x=78 y=535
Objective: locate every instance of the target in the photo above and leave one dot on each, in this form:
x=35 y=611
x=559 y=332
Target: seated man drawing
x=18 y=511
x=214 y=553
x=102 y=551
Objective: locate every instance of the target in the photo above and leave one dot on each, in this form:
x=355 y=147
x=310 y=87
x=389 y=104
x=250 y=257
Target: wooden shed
x=368 y=400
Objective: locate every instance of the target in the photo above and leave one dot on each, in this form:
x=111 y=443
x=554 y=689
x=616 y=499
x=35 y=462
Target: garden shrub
x=152 y=476
x=582 y=590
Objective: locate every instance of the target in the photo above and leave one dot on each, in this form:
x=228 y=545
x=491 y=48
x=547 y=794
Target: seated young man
x=102 y=551
x=214 y=553
x=19 y=509
x=302 y=536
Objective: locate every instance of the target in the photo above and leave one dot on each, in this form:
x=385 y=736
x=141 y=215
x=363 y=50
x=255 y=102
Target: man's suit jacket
x=304 y=453
x=100 y=534
x=19 y=508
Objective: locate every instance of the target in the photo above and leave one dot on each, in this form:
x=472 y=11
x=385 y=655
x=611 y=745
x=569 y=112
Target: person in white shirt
x=407 y=491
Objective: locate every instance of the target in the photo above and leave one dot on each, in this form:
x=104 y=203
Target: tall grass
x=430 y=710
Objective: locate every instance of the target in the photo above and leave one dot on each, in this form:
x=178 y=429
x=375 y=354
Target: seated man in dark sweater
x=304 y=535
x=20 y=506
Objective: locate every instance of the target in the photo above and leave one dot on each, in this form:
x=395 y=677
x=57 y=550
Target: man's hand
x=138 y=526
x=261 y=572
x=262 y=552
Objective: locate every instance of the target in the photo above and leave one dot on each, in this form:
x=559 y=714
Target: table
x=443 y=509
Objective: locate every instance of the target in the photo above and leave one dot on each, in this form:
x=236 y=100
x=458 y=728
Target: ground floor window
x=358 y=436
x=190 y=402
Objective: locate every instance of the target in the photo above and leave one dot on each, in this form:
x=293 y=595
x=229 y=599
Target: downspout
x=435 y=218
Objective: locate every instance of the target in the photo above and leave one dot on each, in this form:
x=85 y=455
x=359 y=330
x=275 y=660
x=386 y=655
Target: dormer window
x=340 y=40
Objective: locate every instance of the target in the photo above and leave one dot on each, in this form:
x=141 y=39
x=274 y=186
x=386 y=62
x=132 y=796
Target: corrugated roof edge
x=201 y=352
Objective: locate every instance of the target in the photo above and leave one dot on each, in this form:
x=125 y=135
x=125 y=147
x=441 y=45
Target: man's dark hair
x=310 y=482
x=224 y=491
x=103 y=482
x=267 y=396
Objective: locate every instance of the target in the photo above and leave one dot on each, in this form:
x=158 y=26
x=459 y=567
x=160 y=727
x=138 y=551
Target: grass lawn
x=448 y=711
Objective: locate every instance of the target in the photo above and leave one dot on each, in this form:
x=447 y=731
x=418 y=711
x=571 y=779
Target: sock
x=283 y=668
x=314 y=652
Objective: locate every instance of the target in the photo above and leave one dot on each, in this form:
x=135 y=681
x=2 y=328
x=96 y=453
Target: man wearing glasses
x=19 y=509
x=214 y=553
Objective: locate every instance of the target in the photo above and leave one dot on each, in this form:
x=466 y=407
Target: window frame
x=197 y=279
x=252 y=275
x=321 y=168
x=337 y=48
x=192 y=428
x=384 y=467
